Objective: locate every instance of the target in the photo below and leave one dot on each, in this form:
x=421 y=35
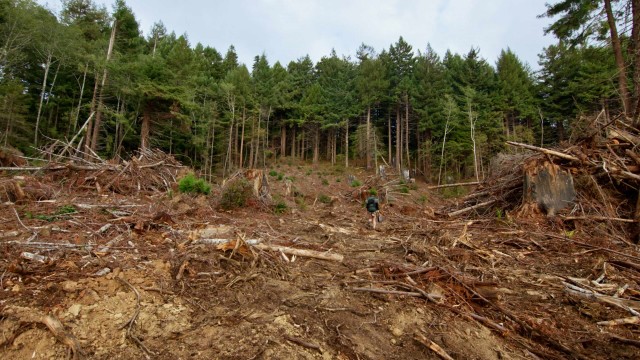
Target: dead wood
x=470 y=208
x=456 y=184
x=301 y=252
x=545 y=151
x=432 y=346
x=130 y=323
x=303 y=343
x=56 y=328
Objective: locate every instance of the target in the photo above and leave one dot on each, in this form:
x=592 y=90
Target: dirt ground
x=129 y=277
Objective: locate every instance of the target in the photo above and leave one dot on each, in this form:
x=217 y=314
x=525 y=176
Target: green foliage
x=192 y=185
x=309 y=172
x=273 y=173
x=300 y=201
x=355 y=183
x=404 y=189
x=325 y=182
x=280 y=176
x=422 y=199
x=338 y=180
x=235 y=194
x=324 y=199
x=61 y=212
x=280 y=207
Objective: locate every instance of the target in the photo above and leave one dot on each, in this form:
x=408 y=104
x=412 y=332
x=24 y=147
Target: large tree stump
x=549 y=187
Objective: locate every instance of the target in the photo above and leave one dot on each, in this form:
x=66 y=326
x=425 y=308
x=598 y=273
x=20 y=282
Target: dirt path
x=497 y=286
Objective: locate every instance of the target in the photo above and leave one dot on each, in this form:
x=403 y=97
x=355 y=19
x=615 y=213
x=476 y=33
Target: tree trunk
x=293 y=143
x=398 y=141
x=472 y=124
x=94 y=97
x=98 y=119
x=635 y=44
x=316 y=145
x=229 y=157
x=389 y=136
x=283 y=141
x=241 y=158
x=617 y=51
x=84 y=80
x=368 y=142
x=257 y=147
x=406 y=130
x=346 y=145
x=47 y=65
x=145 y=128
x=444 y=141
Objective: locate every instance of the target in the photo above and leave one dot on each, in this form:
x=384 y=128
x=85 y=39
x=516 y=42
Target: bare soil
x=478 y=288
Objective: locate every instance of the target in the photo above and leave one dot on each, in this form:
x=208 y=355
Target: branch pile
x=149 y=170
x=604 y=162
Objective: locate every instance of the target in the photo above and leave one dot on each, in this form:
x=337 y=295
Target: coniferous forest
x=90 y=75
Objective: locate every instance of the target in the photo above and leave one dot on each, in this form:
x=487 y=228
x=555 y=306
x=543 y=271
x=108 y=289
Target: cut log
x=548 y=186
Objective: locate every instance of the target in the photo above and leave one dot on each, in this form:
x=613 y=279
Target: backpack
x=372 y=204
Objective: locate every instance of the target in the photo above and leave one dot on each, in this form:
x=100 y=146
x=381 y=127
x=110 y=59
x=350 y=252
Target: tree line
x=89 y=74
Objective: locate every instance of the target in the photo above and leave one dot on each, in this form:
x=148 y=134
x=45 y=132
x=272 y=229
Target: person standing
x=373 y=206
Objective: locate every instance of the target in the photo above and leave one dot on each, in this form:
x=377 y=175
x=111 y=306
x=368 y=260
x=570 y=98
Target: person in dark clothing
x=373 y=206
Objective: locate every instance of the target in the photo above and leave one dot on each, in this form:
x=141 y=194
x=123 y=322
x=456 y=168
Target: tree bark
x=98 y=119
x=406 y=130
x=368 y=142
x=617 y=52
x=47 y=66
x=346 y=145
x=283 y=141
x=635 y=44
x=398 y=142
x=145 y=128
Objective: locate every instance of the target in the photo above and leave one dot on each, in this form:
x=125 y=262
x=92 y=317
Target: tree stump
x=549 y=187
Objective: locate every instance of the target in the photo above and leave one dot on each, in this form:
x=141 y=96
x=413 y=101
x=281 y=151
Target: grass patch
x=355 y=183
x=324 y=199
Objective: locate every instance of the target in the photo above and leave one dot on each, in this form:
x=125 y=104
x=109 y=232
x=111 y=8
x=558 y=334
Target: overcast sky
x=286 y=30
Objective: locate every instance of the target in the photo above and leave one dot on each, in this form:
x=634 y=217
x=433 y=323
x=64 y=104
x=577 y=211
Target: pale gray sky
x=286 y=30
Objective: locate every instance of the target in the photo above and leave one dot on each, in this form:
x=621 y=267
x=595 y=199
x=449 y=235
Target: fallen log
x=467 y=209
x=301 y=252
x=623 y=321
x=452 y=185
x=545 y=151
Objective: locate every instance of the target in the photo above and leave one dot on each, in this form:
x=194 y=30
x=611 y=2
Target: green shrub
x=355 y=183
x=404 y=189
x=192 y=185
x=324 y=199
x=301 y=203
x=235 y=194
x=309 y=172
x=273 y=173
x=422 y=199
x=325 y=182
x=280 y=176
x=338 y=180
x=280 y=207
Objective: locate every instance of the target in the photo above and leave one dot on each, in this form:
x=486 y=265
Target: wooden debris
x=303 y=343
x=432 y=346
x=56 y=328
x=623 y=321
x=301 y=252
